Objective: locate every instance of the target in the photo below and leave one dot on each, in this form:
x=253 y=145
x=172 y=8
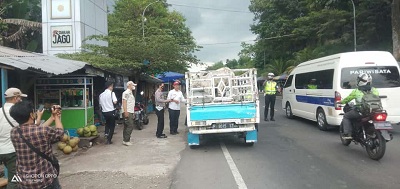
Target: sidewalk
x=148 y=163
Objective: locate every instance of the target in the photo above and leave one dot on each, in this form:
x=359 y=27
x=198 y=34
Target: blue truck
x=223 y=101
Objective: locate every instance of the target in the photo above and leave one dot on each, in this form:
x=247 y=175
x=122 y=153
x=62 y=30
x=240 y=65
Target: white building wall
x=88 y=17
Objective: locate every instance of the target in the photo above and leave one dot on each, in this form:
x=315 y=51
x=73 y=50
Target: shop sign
x=61 y=36
x=79 y=81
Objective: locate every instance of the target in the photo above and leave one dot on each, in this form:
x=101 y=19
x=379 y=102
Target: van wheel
x=321 y=120
x=289 y=113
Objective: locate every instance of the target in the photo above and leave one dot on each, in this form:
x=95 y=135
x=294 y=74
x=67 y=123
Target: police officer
x=270 y=89
x=312 y=84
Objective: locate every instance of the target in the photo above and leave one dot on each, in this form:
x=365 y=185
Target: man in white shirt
x=128 y=106
x=174 y=107
x=107 y=102
x=7 y=150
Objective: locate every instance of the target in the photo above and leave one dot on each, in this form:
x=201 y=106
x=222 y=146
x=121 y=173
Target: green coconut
x=87 y=134
x=86 y=130
x=93 y=128
x=80 y=131
x=95 y=133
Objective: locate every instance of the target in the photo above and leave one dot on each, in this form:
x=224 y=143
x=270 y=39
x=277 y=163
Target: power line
x=223 y=43
x=209 y=8
x=232 y=42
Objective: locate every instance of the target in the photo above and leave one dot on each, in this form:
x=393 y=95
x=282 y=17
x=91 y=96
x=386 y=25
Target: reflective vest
x=311 y=86
x=270 y=88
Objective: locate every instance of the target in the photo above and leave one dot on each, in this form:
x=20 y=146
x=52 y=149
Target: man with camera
x=37 y=167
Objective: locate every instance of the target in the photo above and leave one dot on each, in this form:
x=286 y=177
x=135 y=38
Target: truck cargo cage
x=222 y=86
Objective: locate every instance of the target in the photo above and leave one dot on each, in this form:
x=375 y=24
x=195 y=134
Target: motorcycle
x=371 y=131
x=141 y=117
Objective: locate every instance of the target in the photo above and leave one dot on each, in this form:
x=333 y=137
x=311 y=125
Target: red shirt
x=35 y=171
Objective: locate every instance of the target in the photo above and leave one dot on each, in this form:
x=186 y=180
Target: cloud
x=211 y=27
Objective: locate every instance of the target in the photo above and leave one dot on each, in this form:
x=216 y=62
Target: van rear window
x=382 y=76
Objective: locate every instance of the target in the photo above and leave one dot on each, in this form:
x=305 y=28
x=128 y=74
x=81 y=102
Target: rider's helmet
x=364 y=79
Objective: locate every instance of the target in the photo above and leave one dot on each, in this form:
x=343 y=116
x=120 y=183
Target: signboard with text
x=61 y=36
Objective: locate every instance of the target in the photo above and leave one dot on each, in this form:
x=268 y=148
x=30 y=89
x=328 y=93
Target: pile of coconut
x=68 y=145
x=87 y=131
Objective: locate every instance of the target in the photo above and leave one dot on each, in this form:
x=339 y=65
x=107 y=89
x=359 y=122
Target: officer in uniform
x=312 y=84
x=270 y=89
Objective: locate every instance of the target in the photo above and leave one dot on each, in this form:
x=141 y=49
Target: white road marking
x=235 y=171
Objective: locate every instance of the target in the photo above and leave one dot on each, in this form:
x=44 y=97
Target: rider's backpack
x=370 y=102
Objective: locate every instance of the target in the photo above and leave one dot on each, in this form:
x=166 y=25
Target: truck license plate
x=224 y=125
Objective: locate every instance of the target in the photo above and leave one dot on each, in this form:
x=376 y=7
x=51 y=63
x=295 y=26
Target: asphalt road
x=288 y=154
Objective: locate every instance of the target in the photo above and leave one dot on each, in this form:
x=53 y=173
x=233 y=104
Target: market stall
x=74 y=94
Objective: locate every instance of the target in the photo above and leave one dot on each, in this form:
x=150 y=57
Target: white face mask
x=133 y=88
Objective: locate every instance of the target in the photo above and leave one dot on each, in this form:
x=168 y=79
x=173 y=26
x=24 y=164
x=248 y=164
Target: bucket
x=72 y=132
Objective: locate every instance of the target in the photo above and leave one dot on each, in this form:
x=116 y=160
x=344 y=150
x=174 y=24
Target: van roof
x=356 y=58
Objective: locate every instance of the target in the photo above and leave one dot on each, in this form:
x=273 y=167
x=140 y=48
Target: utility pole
x=354 y=23
x=144 y=19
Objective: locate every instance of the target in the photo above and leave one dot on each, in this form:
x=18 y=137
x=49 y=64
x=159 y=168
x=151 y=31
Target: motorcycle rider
x=363 y=85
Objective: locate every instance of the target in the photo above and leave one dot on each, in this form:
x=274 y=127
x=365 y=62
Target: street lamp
x=144 y=19
x=354 y=22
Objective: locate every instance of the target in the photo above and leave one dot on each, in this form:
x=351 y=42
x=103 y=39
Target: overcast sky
x=217 y=21
x=213 y=22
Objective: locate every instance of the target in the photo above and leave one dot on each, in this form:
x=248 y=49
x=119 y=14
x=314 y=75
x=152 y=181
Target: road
x=288 y=154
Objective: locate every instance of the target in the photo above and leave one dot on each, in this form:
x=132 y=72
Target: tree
x=215 y=66
x=20 y=24
x=278 y=66
x=232 y=64
x=168 y=44
x=297 y=31
x=396 y=28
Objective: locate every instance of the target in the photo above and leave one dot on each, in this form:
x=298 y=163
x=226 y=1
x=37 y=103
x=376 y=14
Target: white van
x=315 y=87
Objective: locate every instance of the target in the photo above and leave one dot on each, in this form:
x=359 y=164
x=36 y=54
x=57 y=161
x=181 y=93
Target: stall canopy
x=170 y=76
x=150 y=79
x=38 y=62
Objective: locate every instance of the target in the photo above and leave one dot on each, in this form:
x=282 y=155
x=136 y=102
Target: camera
x=54 y=107
x=42 y=107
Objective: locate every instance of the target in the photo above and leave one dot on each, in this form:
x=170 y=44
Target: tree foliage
x=245 y=60
x=216 y=66
x=167 y=45
x=20 y=24
x=314 y=28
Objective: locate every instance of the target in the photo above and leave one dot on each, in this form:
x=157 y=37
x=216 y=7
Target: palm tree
x=20 y=24
x=303 y=56
x=278 y=66
x=24 y=26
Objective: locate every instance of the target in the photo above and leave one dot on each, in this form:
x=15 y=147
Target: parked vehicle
x=141 y=117
x=334 y=77
x=371 y=131
x=223 y=101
